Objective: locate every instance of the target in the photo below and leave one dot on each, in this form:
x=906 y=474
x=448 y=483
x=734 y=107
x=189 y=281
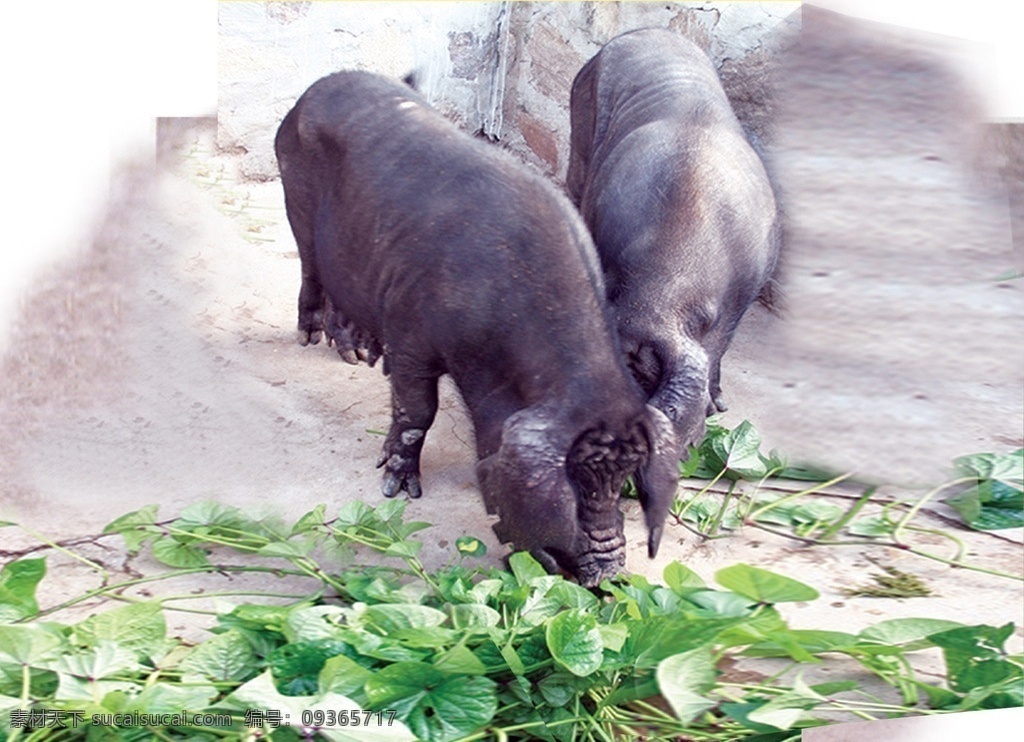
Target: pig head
x=681 y=211
x=441 y=254
x=556 y=488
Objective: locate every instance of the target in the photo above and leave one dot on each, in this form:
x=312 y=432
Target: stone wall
x=499 y=69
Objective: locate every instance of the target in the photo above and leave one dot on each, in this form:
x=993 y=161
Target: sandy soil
x=160 y=366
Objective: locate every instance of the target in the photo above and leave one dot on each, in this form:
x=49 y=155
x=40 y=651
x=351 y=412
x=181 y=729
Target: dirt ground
x=160 y=366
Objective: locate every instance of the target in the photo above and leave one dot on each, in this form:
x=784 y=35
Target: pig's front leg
x=414 y=404
x=311 y=308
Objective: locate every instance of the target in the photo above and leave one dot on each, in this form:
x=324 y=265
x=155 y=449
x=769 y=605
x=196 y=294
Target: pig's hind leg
x=414 y=404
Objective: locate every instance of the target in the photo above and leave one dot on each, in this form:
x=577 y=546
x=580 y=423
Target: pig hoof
x=392 y=484
x=348 y=356
x=309 y=337
x=720 y=404
x=395 y=483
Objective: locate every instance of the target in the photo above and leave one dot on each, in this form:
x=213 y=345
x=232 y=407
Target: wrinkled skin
x=681 y=211
x=439 y=252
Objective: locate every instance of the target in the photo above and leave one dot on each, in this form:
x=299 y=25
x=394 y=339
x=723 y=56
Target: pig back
x=438 y=244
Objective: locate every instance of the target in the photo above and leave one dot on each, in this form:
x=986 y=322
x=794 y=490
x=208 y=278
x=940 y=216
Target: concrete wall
x=502 y=69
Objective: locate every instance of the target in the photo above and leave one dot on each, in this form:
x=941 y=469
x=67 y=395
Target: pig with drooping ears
x=681 y=211
x=446 y=256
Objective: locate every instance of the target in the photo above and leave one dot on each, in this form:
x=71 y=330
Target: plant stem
x=788 y=498
x=679 y=515
x=852 y=511
x=111 y=589
x=921 y=502
x=721 y=510
x=902 y=547
x=56 y=546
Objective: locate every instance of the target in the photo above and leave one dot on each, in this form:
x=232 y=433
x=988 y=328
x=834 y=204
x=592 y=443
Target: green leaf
x=752 y=629
x=104 y=660
x=216 y=516
x=684 y=679
x=485 y=590
x=407 y=529
x=801 y=644
x=352 y=513
x=254 y=619
x=1006 y=467
x=435 y=637
x=784 y=711
x=308 y=623
x=136 y=527
x=171 y=698
x=574 y=641
x=260 y=693
x=633 y=688
x=404 y=548
x=990 y=505
x=836 y=686
x=658 y=637
x=691 y=464
x=940 y=698
x=469 y=546
x=389 y=618
x=681 y=579
x=525 y=567
x=540 y=606
x=873 y=527
x=474 y=616
x=508 y=651
x=315 y=520
x=435 y=706
x=296 y=666
x=741 y=712
x=139 y=627
x=739 y=451
x=93 y=673
x=78 y=689
x=613 y=635
x=559 y=688
x=763 y=586
x=900 y=631
x=175 y=553
x=571 y=595
x=18 y=582
x=224 y=657
x=665 y=601
x=345 y=676
x=815 y=512
x=722 y=603
x=391 y=510
x=459 y=660
x=975 y=656
x=33 y=645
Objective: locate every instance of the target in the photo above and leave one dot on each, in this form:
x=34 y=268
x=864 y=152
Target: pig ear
x=658 y=479
x=525 y=484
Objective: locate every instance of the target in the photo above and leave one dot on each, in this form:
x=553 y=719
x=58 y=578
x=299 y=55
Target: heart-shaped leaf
x=575 y=642
x=763 y=586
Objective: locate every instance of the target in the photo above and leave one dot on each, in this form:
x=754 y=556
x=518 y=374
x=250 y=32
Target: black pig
x=681 y=211
x=444 y=254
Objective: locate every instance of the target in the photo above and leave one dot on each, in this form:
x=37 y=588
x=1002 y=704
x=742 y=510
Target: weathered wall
x=552 y=41
x=270 y=52
x=503 y=69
